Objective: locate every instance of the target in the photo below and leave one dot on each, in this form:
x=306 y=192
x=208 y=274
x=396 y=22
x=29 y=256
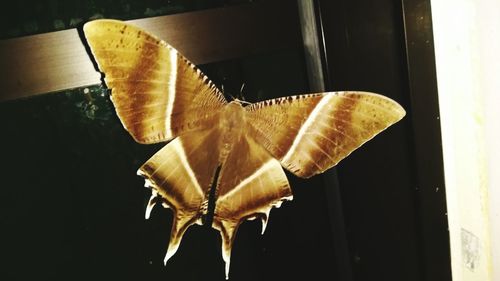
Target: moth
x=160 y=96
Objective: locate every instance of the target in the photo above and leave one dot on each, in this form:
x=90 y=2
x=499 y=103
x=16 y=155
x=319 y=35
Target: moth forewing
x=322 y=129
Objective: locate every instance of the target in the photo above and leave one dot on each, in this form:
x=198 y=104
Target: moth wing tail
x=180 y=175
x=251 y=183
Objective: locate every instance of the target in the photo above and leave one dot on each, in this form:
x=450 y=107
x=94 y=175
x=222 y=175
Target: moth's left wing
x=250 y=183
x=157 y=93
x=312 y=133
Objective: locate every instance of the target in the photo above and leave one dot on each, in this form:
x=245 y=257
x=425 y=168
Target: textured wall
x=467 y=40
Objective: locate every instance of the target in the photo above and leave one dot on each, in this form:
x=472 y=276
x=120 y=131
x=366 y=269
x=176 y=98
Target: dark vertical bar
x=312 y=36
x=431 y=197
x=312 y=45
x=394 y=217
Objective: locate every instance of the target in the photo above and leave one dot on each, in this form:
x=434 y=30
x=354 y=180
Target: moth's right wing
x=158 y=94
x=312 y=133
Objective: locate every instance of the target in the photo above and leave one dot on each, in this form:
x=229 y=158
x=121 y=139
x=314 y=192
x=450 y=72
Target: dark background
x=73 y=208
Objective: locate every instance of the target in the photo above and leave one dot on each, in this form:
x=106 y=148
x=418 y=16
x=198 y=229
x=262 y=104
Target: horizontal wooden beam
x=56 y=61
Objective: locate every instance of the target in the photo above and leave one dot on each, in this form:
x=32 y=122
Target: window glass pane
x=70 y=175
x=75 y=204
x=25 y=17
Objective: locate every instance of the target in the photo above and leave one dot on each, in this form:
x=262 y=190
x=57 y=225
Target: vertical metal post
x=312 y=37
x=312 y=47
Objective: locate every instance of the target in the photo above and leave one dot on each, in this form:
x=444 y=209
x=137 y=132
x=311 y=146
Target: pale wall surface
x=467 y=44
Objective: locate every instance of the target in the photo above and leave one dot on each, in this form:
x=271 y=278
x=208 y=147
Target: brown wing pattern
x=312 y=133
x=158 y=94
x=250 y=183
x=180 y=175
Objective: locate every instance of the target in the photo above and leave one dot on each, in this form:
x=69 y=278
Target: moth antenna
x=245 y=102
x=241 y=91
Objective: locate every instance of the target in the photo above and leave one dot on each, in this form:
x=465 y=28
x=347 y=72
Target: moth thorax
x=232 y=124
